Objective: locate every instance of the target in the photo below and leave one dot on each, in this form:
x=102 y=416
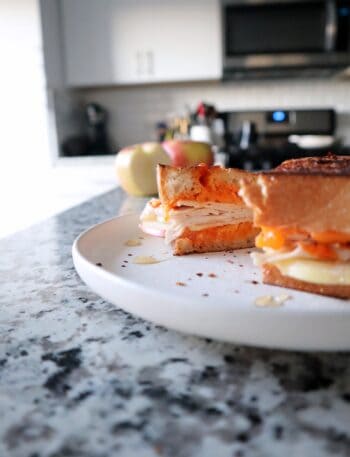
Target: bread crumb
x=199 y=274
x=212 y=275
x=182 y=284
x=133 y=242
x=265 y=300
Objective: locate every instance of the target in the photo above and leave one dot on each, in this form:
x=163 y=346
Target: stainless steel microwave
x=285 y=38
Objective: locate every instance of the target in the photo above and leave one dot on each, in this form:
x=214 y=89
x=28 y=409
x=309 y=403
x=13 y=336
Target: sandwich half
x=202 y=209
x=303 y=211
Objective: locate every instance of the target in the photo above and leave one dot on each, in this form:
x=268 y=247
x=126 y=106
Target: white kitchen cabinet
x=138 y=41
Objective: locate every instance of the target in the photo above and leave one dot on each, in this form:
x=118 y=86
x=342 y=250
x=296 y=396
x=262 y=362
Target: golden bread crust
x=314 y=203
x=328 y=164
x=272 y=275
x=199 y=183
x=225 y=237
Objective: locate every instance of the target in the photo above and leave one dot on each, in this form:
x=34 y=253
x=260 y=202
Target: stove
x=256 y=140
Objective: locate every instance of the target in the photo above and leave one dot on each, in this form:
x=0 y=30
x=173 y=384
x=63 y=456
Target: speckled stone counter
x=79 y=377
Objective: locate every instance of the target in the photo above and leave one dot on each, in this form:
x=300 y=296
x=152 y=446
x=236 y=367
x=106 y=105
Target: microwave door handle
x=331 y=25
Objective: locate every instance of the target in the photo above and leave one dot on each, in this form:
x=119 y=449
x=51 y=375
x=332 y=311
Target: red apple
x=184 y=153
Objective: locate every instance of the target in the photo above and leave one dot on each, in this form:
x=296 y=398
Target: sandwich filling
x=320 y=258
x=191 y=215
x=197 y=216
x=152 y=218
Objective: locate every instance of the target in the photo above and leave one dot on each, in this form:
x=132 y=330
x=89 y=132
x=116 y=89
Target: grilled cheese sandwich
x=202 y=210
x=302 y=209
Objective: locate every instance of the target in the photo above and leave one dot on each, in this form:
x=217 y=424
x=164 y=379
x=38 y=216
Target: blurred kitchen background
x=80 y=79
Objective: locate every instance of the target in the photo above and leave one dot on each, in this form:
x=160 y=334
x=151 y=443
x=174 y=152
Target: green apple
x=184 y=153
x=136 y=168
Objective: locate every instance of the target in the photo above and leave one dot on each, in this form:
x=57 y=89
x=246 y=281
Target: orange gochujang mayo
x=320 y=245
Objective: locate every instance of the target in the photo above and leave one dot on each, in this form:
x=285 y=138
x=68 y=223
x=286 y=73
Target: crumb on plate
x=133 y=242
x=271 y=301
x=145 y=260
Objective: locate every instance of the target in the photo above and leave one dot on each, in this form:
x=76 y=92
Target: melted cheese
x=300 y=264
x=315 y=271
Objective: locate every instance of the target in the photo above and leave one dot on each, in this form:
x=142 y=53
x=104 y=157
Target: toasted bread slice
x=303 y=210
x=314 y=203
x=199 y=183
x=329 y=164
x=203 y=209
x=272 y=275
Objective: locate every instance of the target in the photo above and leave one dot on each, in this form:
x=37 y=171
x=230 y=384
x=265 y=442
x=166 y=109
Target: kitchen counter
x=72 y=180
x=80 y=377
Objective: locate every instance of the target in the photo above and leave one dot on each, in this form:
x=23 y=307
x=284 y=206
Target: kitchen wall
x=24 y=116
x=134 y=110
x=80 y=52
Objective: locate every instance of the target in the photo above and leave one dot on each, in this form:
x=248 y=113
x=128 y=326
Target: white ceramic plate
x=221 y=306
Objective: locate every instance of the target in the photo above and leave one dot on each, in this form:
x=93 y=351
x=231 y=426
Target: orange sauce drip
x=319 y=250
x=316 y=244
x=210 y=191
x=331 y=236
x=222 y=233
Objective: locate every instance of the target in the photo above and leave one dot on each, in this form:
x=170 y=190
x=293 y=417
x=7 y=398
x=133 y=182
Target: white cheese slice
x=315 y=271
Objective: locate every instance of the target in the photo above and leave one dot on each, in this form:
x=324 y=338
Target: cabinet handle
x=150 y=62
x=138 y=63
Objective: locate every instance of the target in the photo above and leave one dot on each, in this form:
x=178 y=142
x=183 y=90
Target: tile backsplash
x=134 y=110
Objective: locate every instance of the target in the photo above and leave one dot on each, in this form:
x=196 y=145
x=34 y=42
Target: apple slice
x=136 y=168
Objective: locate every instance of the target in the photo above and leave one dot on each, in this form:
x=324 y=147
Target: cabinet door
x=167 y=40
x=87 y=42
x=140 y=41
x=184 y=39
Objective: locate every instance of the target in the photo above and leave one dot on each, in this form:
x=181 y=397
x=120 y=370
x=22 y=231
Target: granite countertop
x=80 y=377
